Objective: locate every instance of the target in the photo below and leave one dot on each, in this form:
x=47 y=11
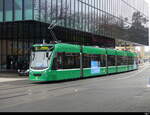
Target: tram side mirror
x=47 y=54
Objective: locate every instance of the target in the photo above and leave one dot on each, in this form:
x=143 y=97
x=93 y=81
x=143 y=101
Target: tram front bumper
x=38 y=76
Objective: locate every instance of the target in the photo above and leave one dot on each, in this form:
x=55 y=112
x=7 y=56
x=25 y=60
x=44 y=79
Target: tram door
x=81 y=62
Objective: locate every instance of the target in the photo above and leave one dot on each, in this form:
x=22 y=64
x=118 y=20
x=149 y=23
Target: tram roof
x=62 y=47
x=94 y=50
x=76 y=48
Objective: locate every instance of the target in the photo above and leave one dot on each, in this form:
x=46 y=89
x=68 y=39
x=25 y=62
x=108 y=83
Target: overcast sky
x=147 y=1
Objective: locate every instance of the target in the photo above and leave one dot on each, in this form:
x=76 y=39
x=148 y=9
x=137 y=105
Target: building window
x=36 y=9
x=1 y=10
x=28 y=9
x=43 y=10
x=18 y=9
x=8 y=10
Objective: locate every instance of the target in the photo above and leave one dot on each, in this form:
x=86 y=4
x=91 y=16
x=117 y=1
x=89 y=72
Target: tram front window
x=40 y=57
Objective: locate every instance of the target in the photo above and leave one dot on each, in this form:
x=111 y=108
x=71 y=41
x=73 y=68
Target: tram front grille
x=37 y=75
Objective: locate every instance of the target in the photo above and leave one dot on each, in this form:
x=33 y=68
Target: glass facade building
x=90 y=22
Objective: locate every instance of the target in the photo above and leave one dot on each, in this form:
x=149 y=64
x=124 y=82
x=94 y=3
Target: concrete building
x=89 y=22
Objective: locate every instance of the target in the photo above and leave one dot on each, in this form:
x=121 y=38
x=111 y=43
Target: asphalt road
x=125 y=92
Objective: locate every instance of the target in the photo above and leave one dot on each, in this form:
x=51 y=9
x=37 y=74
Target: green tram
x=55 y=62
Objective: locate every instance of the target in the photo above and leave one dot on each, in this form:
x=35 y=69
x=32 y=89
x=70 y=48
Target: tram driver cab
x=40 y=57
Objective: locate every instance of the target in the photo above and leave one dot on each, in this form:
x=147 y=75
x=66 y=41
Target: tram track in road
x=36 y=88
x=25 y=92
x=20 y=94
x=9 y=86
x=28 y=95
x=19 y=91
x=13 y=85
x=16 y=87
x=48 y=87
x=15 y=96
x=36 y=95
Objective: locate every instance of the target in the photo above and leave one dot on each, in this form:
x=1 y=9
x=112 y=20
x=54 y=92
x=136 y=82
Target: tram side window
x=103 y=60
x=86 y=61
x=122 y=60
x=125 y=60
x=111 y=60
x=131 y=60
x=54 y=66
x=88 y=58
x=66 y=61
x=136 y=59
x=58 y=62
x=96 y=58
x=71 y=61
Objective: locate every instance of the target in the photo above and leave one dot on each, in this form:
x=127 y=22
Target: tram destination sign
x=42 y=48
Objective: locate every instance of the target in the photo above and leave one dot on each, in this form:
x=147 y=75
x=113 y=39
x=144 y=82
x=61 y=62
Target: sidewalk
x=11 y=79
x=9 y=76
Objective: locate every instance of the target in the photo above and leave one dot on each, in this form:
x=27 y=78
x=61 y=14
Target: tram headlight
x=31 y=72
